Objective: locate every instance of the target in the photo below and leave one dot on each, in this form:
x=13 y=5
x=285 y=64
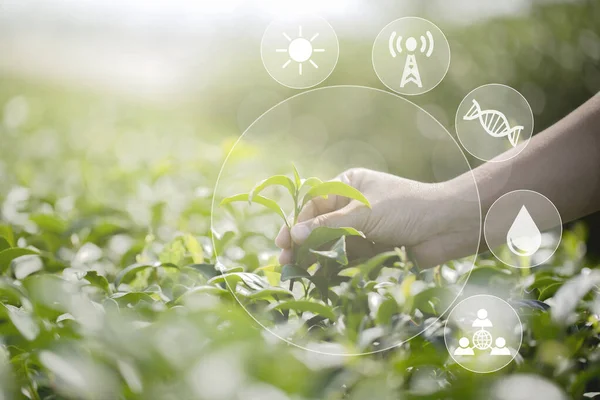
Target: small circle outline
x=557 y=213
x=337 y=57
x=447 y=66
x=525 y=142
x=497 y=298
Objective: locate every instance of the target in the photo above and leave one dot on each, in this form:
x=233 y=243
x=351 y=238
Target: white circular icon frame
x=291 y=85
x=446 y=329
x=379 y=75
x=491 y=159
x=491 y=248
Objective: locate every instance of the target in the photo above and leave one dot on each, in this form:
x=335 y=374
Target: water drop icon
x=524 y=238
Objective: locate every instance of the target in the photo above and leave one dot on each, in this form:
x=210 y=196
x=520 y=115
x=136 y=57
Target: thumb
x=344 y=217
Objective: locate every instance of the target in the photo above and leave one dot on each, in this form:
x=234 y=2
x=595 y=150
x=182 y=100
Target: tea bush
x=95 y=306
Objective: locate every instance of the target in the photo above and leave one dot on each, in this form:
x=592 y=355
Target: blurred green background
x=115 y=118
x=101 y=95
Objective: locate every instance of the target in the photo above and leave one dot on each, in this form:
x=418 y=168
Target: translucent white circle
x=299 y=51
x=393 y=135
x=493 y=119
x=523 y=229
x=411 y=55
x=500 y=325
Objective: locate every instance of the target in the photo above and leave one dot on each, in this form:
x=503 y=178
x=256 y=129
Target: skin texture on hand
x=403 y=213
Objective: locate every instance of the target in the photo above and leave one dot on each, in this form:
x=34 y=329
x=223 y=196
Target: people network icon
x=482 y=339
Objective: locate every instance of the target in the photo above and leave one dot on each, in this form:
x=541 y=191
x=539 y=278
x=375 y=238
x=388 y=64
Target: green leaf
x=297 y=179
x=6 y=232
x=310 y=182
x=320 y=236
x=97 y=280
x=433 y=300
x=10 y=293
x=49 y=223
x=337 y=252
x=222 y=240
x=373 y=266
x=207 y=270
x=194 y=248
x=386 y=311
x=305 y=305
x=127 y=274
x=174 y=252
x=337 y=188
x=22 y=321
x=252 y=281
x=125 y=299
x=570 y=294
x=269 y=293
x=4 y=244
x=291 y=271
x=280 y=180
x=7 y=255
x=270 y=204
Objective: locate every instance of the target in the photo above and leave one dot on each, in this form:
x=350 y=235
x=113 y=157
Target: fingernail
x=300 y=232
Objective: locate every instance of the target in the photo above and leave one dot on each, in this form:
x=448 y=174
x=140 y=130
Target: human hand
x=403 y=213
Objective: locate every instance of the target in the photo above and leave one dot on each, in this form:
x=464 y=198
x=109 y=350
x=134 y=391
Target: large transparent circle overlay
x=300 y=51
x=487 y=106
x=390 y=129
x=506 y=325
x=506 y=221
x=419 y=39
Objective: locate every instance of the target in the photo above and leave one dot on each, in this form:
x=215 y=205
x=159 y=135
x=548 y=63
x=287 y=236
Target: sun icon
x=300 y=50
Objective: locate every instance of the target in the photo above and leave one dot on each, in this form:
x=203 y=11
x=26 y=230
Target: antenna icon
x=410 y=73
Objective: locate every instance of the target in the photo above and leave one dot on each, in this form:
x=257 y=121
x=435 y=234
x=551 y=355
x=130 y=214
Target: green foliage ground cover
x=95 y=304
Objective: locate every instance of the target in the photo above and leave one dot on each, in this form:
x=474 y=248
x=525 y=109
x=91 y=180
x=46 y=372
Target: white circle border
x=497 y=298
x=212 y=207
x=559 y=238
x=337 y=45
x=425 y=91
x=525 y=143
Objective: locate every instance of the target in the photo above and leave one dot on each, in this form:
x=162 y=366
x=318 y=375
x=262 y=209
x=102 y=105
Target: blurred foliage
x=110 y=287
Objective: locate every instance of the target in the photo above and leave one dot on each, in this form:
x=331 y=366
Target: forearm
x=562 y=163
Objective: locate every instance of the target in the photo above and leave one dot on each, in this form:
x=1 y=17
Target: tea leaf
x=280 y=180
x=4 y=244
x=320 y=236
x=97 y=280
x=194 y=248
x=337 y=188
x=126 y=274
x=310 y=182
x=306 y=306
x=7 y=255
x=291 y=271
x=270 y=204
x=207 y=270
x=566 y=298
x=337 y=252
x=296 y=176
x=6 y=232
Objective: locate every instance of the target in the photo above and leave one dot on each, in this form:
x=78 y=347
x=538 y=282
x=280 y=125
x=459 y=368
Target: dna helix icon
x=494 y=123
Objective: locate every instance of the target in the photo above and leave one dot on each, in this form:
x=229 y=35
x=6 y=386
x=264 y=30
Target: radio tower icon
x=410 y=73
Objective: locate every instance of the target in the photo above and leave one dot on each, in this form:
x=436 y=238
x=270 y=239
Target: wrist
x=456 y=229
